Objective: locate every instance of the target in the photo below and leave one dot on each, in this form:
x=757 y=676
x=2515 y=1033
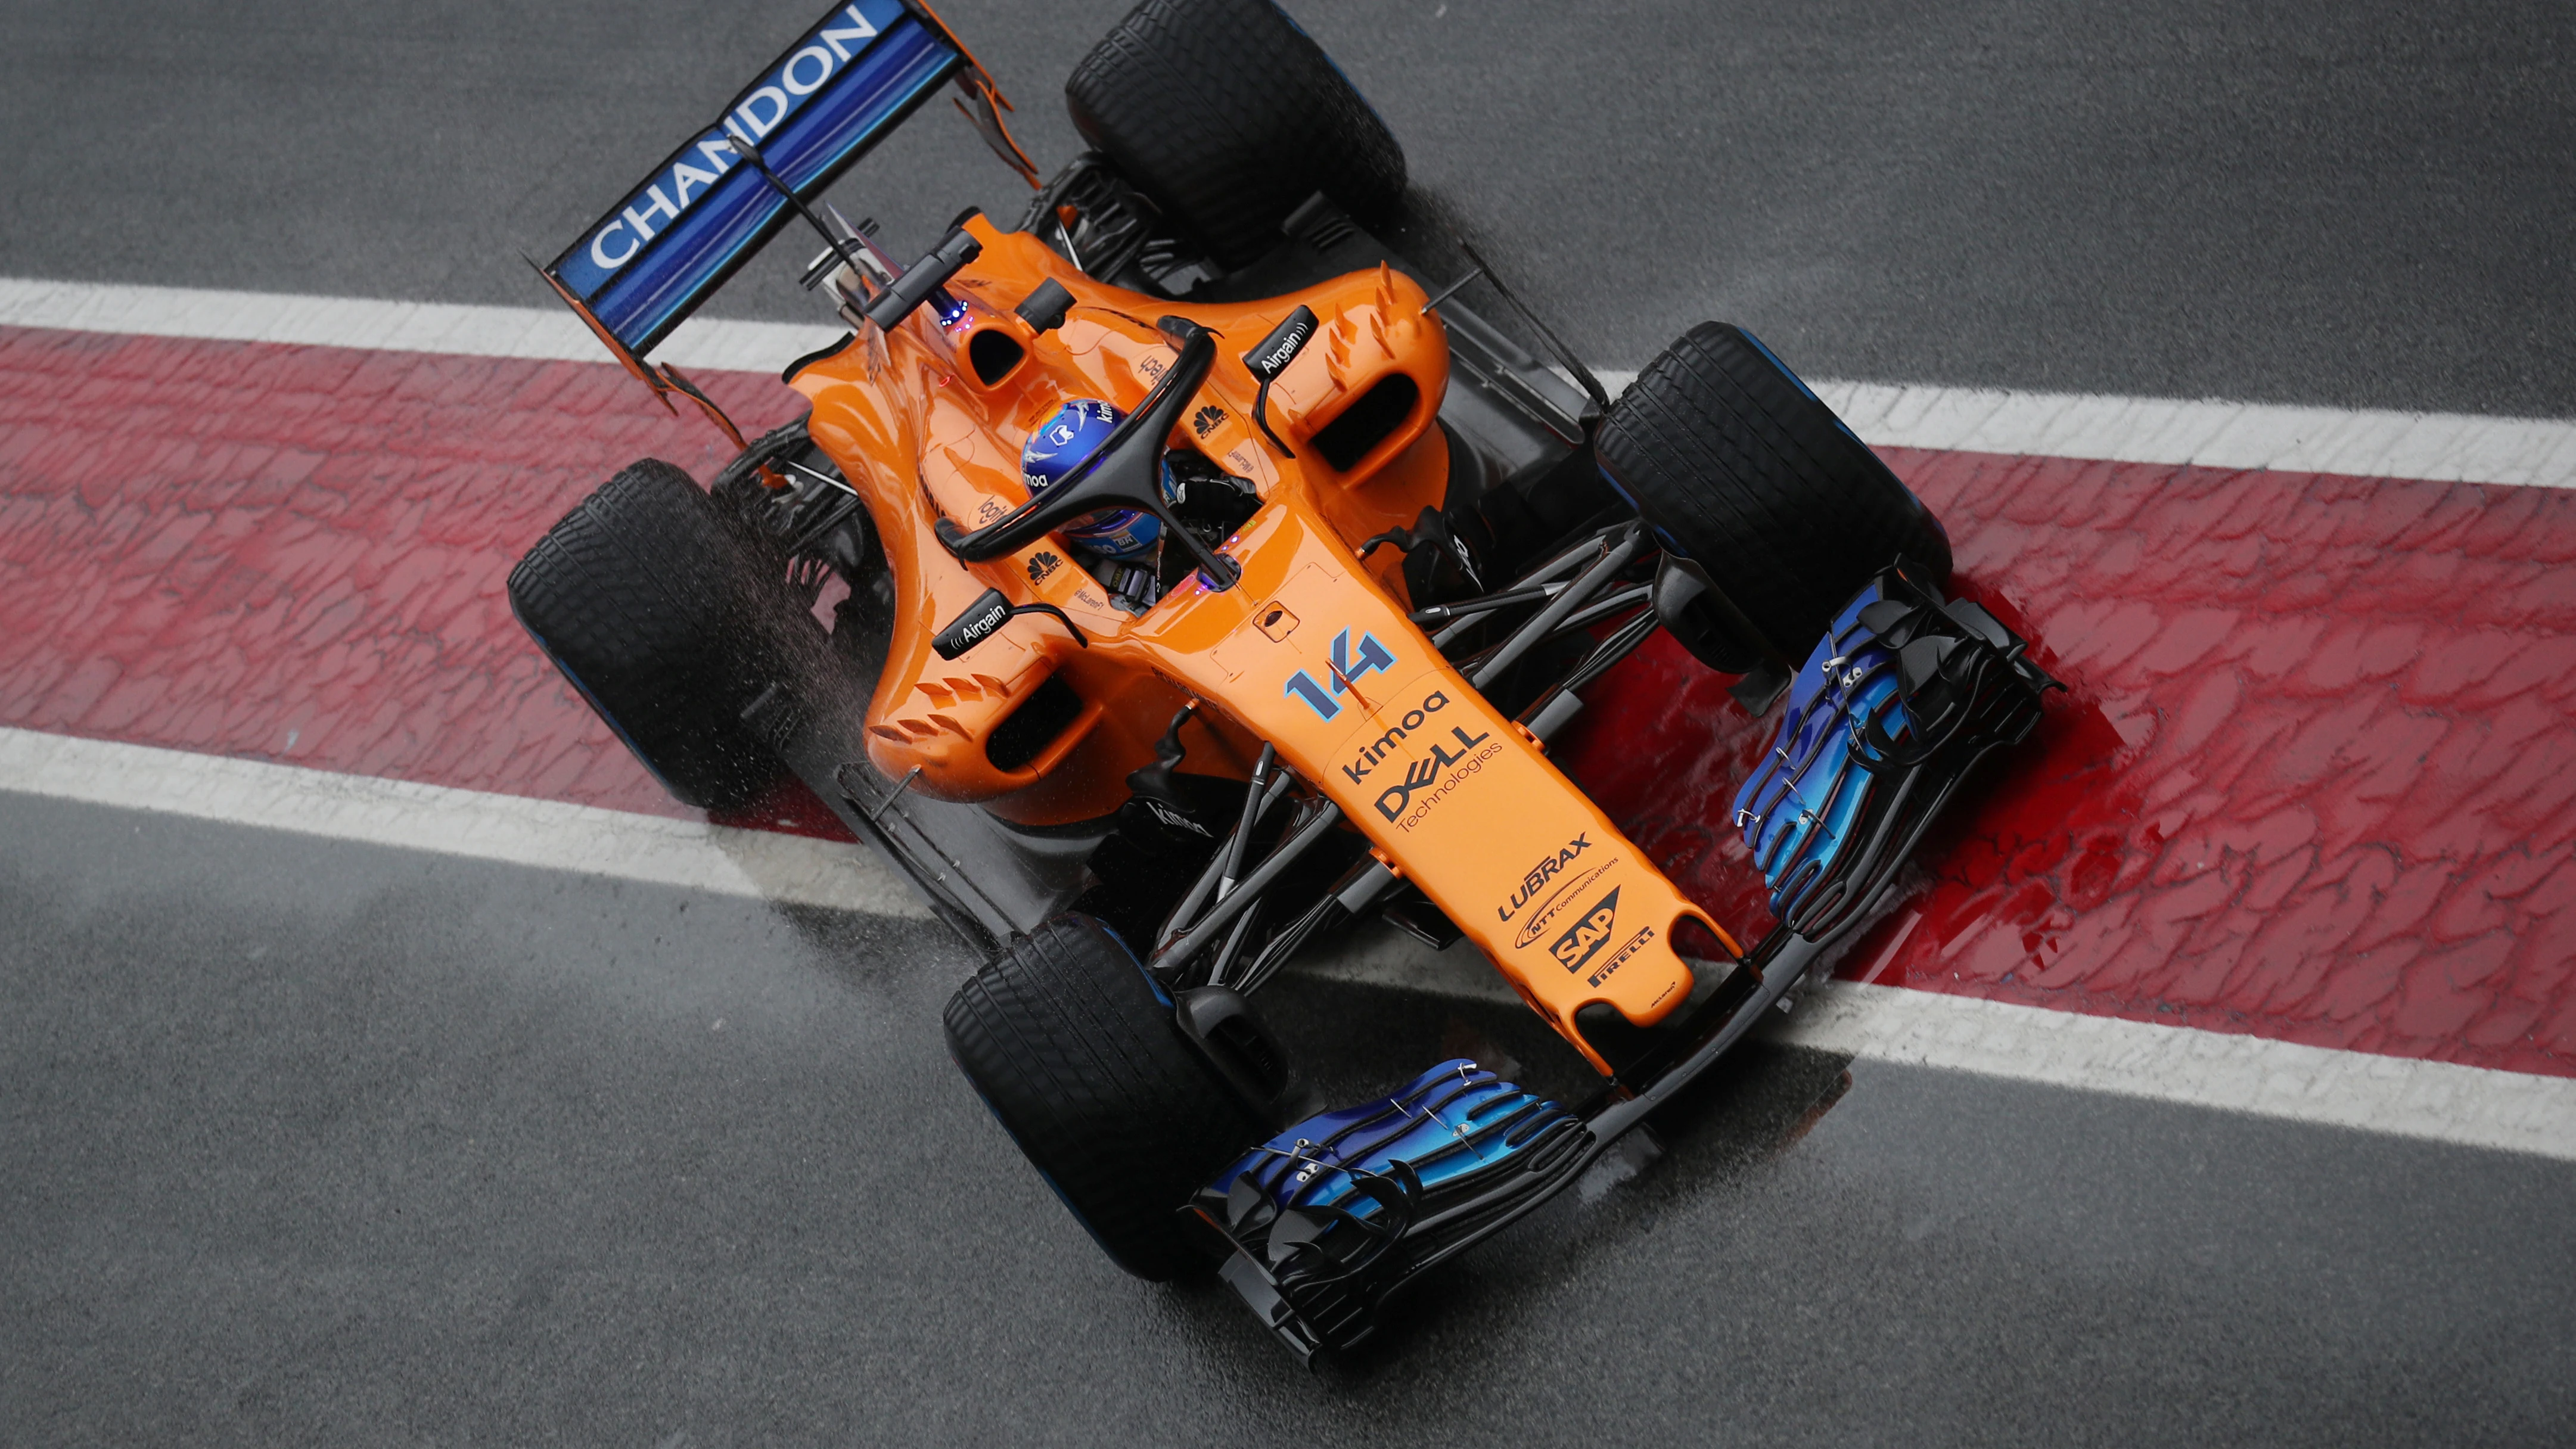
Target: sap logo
x=698 y=168
x=1384 y=745
x=1042 y=566
x=1347 y=668
x=1205 y=420
x=1585 y=938
x=1540 y=874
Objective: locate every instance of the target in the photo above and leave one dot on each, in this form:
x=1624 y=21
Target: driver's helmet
x=1056 y=448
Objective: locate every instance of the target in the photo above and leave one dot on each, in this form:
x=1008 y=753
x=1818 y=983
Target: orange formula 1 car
x=1212 y=583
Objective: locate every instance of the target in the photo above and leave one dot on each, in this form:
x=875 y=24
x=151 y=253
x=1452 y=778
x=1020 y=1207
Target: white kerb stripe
x=511 y=829
x=2443 y=447
x=524 y=332
x=2447 y=447
x=2437 y=1101
x=2434 y=1101
x=2430 y=1100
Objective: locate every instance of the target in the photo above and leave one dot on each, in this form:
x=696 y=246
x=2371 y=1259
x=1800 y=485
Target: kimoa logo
x=1585 y=938
x=805 y=71
x=1541 y=873
x=1384 y=745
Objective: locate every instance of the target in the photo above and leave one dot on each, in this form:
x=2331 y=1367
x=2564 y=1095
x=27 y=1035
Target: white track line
x=2364 y=443
x=2432 y=1101
x=547 y=834
x=2450 y=447
x=521 y=332
x=2435 y=1101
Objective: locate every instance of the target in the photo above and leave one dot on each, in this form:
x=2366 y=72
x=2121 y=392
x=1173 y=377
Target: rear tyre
x=1228 y=116
x=651 y=606
x=1745 y=472
x=1073 y=1047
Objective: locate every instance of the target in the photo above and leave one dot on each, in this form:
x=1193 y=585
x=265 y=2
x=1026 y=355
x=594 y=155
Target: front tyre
x=1228 y=116
x=1745 y=472
x=1073 y=1047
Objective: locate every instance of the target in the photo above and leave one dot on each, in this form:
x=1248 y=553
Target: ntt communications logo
x=778 y=95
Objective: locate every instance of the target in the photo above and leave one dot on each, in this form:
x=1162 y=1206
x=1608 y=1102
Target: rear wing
x=643 y=267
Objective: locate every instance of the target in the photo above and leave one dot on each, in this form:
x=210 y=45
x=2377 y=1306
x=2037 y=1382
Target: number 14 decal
x=1372 y=658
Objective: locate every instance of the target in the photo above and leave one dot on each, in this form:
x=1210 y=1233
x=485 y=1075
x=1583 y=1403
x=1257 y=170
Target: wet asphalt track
x=304 y=1142
x=308 y=1143
x=2361 y=204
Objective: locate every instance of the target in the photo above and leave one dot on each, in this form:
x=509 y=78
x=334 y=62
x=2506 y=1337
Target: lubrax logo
x=1584 y=939
x=1540 y=874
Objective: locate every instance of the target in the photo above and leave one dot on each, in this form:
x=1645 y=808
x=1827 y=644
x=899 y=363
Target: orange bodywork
x=1311 y=651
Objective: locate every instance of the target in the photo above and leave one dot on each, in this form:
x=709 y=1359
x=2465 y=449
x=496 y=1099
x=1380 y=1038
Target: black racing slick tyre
x=1742 y=470
x=653 y=609
x=1074 y=1049
x=1228 y=116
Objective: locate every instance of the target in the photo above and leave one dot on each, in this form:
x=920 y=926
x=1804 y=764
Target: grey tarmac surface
x=313 y=1143
x=2357 y=204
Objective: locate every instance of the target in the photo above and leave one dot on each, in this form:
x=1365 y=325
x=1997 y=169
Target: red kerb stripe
x=2313 y=781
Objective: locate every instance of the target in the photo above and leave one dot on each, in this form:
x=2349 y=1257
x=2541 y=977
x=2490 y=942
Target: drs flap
x=642 y=268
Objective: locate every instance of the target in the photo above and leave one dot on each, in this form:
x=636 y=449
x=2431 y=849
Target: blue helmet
x=1063 y=443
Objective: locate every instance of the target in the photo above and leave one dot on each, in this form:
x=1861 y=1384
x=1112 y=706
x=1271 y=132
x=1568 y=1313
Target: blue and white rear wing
x=641 y=269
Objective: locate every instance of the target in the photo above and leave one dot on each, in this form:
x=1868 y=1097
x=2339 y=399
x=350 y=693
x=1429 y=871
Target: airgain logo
x=1348 y=667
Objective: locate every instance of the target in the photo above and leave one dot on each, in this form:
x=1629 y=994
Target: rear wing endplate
x=643 y=267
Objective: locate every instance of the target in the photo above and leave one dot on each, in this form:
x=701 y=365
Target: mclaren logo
x=1584 y=939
